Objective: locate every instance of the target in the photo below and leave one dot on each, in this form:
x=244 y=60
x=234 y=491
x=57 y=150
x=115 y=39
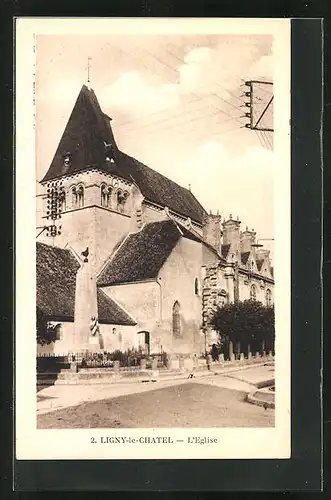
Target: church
x=126 y=257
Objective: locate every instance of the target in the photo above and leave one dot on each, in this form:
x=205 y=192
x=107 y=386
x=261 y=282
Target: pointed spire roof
x=85 y=144
x=84 y=138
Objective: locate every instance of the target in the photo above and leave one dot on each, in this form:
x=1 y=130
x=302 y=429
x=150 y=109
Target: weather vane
x=89 y=59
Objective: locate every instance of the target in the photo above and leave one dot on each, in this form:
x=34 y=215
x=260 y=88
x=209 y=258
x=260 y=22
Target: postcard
x=153 y=299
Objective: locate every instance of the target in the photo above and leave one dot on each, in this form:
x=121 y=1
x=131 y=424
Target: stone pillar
x=237 y=350
x=229 y=276
x=143 y=364
x=231 y=355
x=85 y=305
x=154 y=364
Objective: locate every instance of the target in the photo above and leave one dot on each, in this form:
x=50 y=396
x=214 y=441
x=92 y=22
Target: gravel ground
x=185 y=405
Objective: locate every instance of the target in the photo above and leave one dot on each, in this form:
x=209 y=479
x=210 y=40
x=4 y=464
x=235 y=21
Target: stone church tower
x=97 y=207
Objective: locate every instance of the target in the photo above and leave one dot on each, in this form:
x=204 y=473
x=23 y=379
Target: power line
x=199 y=98
x=170 y=118
x=193 y=93
x=211 y=93
x=184 y=129
x=236 y=128
x=155 y=113
x=263 y=143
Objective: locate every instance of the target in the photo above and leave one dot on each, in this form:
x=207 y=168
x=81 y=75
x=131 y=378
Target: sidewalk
x=235 y=378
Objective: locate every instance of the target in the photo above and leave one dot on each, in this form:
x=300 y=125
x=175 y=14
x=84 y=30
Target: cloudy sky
x=176 y=105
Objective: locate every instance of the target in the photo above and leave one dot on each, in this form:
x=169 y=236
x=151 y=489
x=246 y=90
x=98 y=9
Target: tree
x=46 y=333
x=248 y=322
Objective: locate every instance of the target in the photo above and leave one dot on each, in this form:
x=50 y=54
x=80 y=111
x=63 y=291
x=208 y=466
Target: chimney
x=231 y=234
x=247 y=238
x=211 y=229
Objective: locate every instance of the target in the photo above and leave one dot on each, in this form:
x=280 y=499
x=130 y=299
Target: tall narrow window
x=268 y=297
x=196 y=287
x=122 y=196
x=253 y=292
x=74 y=197
x=105 y=196
x=62 y=200
x=80 y=197
x=59 y=331
x=176 y=320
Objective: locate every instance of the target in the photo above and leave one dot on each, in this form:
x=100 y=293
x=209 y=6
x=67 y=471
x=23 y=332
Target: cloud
x=204 y=70
x=131 y=92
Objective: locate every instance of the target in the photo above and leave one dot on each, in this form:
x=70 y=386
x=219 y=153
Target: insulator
x=248 y=115
x=248 y=94
x=248 y=125
x=247 y=104
x=59 y=232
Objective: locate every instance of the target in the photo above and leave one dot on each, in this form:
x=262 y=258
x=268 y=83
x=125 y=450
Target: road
x=213 y=401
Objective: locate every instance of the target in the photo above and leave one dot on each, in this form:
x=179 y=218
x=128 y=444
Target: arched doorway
x=145 y=341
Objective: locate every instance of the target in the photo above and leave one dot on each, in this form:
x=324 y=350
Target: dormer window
x=105 y=195
x=67 y=160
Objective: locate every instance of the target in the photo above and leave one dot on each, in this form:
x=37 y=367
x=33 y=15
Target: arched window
x=268 y=297
x=59 y=331
x=196 y=287
x=223 y=298
x=74 y=197
x=105 y=195
x=80 y=197
x=176 y=330
x=253 y=292
x=121 y=196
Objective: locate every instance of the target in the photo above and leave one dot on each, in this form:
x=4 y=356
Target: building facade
x=129 y=250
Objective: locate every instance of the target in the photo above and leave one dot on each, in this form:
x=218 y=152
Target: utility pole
x=260 y=98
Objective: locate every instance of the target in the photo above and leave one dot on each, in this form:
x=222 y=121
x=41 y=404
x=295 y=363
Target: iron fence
x=53 y=362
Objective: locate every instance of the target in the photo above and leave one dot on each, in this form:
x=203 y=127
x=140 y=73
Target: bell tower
x=95 y=204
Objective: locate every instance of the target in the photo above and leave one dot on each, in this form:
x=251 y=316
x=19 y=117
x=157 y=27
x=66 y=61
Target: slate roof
x=142 y=254
x=84 y=136
x=225 y=250
x=158 y=189
x=56 y=285
x=244 y=257
x=259 y=264
x=110 y=312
